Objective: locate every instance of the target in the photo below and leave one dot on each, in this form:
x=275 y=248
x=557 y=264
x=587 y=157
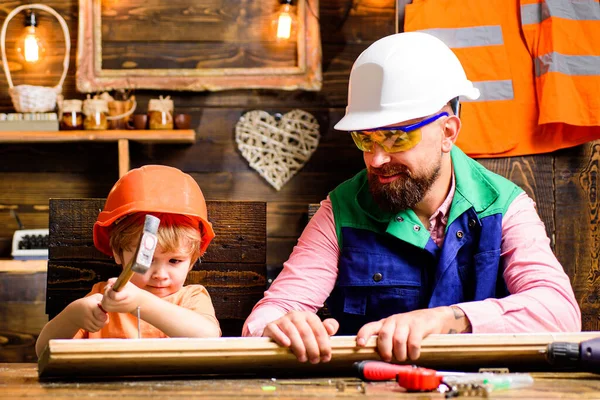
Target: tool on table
x=582 y=356
x=410 y=377
x=142 y=257
x=414 y=378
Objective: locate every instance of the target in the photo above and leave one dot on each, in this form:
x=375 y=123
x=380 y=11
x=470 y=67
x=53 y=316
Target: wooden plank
x=75 y=358
x=163 y=136
x=577 y=225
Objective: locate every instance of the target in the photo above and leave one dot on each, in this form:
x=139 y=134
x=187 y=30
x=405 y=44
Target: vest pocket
x=380 y=302
x=379 y=282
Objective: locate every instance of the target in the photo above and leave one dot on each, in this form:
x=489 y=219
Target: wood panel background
x=564 y=184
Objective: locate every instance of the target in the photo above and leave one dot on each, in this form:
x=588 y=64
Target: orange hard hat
x=153 y=188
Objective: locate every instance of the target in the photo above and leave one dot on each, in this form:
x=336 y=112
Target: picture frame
x=232 y=51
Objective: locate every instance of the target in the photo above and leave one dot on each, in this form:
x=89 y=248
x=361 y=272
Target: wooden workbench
x=21 y=381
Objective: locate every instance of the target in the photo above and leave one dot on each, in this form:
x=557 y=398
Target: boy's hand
x=124 y=301
x=89 y=316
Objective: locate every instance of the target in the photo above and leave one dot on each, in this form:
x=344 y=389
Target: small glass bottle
x=72 y=117
x=95 y=111
x=160 y=113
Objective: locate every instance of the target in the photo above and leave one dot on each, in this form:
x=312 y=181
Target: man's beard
x=406 y=191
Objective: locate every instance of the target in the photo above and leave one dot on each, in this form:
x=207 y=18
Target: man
x=425 y=240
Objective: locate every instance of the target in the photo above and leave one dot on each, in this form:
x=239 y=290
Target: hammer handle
x=122 y=280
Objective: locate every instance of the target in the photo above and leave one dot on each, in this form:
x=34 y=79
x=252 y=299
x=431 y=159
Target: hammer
x=142 y=258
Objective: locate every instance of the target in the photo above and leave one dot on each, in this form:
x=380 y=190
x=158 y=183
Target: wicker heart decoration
x=277 y=148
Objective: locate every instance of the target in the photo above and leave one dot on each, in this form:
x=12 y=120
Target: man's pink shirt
x=541 y=297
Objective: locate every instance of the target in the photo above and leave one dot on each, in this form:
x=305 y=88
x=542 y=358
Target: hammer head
x=145 y=251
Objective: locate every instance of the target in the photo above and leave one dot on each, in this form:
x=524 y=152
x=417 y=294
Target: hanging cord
x=311 y=10
x=14 y=214
x=346 y=14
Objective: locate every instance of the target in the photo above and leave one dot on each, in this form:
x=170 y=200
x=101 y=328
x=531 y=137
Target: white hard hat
x=401 y=77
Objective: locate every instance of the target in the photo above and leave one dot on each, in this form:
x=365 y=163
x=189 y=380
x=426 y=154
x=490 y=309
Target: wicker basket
x=29 y=98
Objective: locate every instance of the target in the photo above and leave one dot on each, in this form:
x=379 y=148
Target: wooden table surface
x=21 y=381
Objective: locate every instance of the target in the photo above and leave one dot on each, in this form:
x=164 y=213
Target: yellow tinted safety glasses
x=393 y=139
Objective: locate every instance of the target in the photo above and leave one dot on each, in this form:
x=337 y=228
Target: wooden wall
x=30 y=174
x=564 y=184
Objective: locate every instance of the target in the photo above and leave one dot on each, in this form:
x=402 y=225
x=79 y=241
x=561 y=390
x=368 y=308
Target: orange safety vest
x=487 y=38
x=563 y=37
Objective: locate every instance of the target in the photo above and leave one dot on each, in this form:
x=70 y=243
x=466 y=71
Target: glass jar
x=160 y=120
x=160 y=113
x=95 y=111
x=72 y=116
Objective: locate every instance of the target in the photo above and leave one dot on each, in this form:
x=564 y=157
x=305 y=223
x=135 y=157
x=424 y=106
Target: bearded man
x=424 y=240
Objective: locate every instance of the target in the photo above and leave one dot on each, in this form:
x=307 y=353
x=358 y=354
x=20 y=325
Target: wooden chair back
x=233 y=269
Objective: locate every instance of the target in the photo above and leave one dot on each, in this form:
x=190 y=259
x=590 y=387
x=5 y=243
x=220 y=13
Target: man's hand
x=400 y=335
x=124 y=301
x=88 y=315
x=305 y=334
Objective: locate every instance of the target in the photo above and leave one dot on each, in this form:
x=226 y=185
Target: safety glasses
x=393 y=139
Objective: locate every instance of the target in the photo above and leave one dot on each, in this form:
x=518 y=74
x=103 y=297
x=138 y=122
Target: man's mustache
x=388 y=170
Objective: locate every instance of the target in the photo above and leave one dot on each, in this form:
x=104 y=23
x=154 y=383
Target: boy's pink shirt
x=542 y=298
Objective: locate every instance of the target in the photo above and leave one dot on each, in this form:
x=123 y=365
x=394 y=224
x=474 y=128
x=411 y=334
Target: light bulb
x=30 y=46
x=284 y=23
x=285 y=20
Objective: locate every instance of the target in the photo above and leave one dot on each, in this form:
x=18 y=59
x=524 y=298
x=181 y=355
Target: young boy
x=167 y=308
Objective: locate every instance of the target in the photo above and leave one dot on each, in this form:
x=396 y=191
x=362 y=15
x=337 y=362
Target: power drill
x=584 y=356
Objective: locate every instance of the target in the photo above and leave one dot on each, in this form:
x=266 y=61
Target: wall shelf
x=26 y=266
x=122 y=137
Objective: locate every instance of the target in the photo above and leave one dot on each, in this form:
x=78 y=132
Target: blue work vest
x=389 y=264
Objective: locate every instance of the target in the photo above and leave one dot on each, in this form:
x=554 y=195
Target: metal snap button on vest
x=377 y=277
x=460 y=234
x=472 y=223
x=399 y=219
x=417 y=228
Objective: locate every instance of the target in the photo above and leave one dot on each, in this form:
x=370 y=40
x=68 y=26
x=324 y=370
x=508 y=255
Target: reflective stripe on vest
x=569 y=65
x=580 y=10
x=460 y=38
x=564 y=38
